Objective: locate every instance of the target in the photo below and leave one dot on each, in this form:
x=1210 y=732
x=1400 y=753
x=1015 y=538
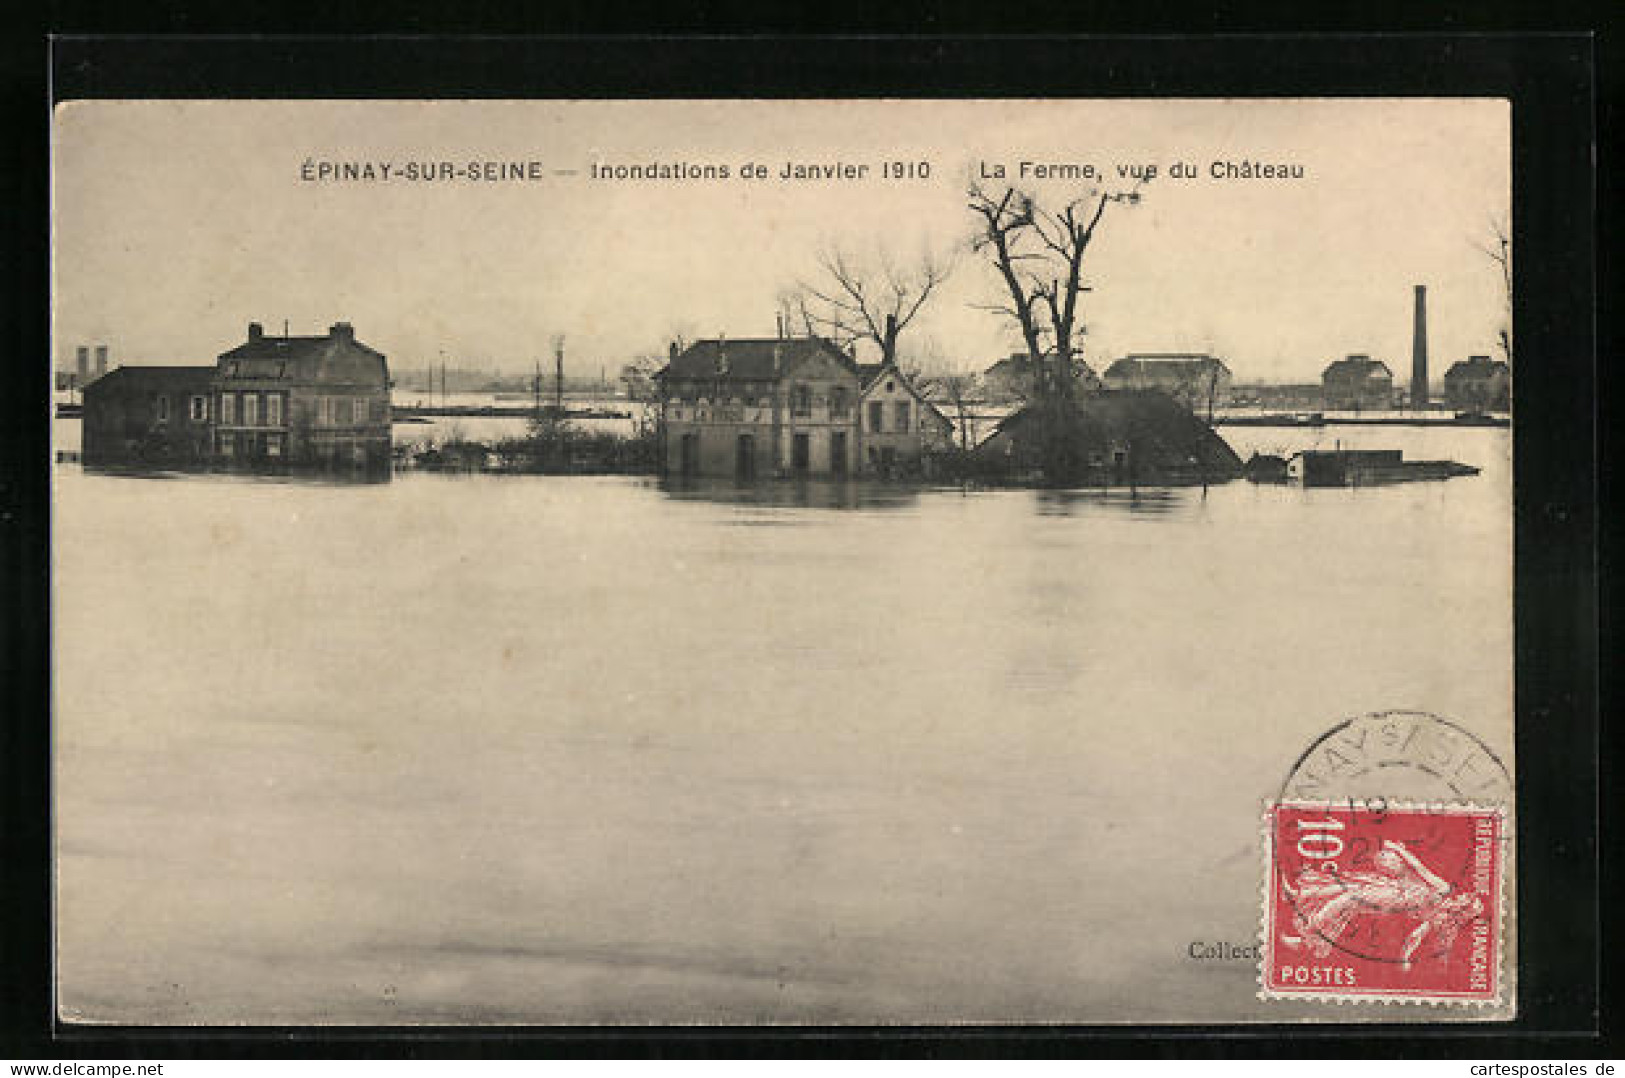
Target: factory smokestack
x=1419 y=352
x=82 y=364
x=101 y=360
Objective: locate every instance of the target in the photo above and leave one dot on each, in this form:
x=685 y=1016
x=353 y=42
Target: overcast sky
x=177 y=223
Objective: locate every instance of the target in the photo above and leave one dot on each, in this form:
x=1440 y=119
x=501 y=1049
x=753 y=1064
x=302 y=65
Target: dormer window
x=801 y=401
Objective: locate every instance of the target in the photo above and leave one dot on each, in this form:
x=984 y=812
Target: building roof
x=154 y=379
x=1162 y=363
x=868 y=372
x=1019 y=365
x=750 y=358
x=334 y=358
x=1356 y=367
x=1476 y=365
x=291 y=348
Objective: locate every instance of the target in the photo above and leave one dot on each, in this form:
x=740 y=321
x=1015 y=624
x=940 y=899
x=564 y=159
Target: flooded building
x=312 y=401
x=900 y=427
x=1357 y=383
x=308 y=400
x=1196 y=380
x=789 y=406
x=149 y=415
x=1111 y=438
x=1478 y=384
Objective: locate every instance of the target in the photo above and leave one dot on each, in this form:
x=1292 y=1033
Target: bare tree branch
x=856 y=302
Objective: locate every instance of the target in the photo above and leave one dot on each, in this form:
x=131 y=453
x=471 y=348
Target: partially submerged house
x=899 y=425
x=320 y=400
x=1110 y=438
x=790 y=406
x=306 y=401
x=149 y=416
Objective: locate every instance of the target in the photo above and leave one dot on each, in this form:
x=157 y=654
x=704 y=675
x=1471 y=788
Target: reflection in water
x=793 y=494
x=1154 y=501
x=873 y=494
x=355 y=478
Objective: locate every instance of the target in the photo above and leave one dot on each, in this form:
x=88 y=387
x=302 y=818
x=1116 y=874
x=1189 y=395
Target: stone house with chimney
x=307 y=400
x=756 y=408
x=1357 y=383
x=320 y=401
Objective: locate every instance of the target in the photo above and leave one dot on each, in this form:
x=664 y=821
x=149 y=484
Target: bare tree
x=1038 y=254
x=958 y=389
x=870 y=300
x=1499 y=251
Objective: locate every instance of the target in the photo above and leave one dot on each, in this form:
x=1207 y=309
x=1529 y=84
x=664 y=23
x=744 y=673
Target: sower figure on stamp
x=1325 y=902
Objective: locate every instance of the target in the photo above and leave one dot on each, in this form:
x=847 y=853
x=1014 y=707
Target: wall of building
x=1346 y=394
x=907 y=446
x=329 y=412
x=137 y=419
x=1478 y=390
x=769 y=413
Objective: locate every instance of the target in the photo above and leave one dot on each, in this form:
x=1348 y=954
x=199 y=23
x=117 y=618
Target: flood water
x=565 y=750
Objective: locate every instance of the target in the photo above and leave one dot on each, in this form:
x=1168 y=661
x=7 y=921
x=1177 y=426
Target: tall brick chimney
x=82 y=363
x=101 y=360
x=1419 y=352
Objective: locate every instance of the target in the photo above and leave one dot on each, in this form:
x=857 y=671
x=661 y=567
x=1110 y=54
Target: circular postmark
x=1386 y=843
x=1390 y=756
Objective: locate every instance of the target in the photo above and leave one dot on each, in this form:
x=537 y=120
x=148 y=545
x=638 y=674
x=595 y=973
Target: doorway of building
x=800 y=453
x=888 y=461
x=688 y=454
x=745 y=458
x=837 y=452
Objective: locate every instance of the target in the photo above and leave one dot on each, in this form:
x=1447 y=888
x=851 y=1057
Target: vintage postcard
x=836 y=562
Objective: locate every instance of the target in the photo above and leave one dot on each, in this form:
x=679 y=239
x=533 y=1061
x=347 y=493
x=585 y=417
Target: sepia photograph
x=783 y=563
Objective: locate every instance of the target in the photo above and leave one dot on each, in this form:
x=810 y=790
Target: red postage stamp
x=1396 y=903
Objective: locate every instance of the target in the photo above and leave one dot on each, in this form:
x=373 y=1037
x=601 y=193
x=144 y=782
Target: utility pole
x=558 y=375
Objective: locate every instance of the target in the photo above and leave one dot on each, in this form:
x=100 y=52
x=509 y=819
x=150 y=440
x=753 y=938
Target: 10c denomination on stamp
x=1380 y=902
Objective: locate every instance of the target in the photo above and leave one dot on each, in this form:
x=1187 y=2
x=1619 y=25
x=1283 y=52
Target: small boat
x=1367 y=467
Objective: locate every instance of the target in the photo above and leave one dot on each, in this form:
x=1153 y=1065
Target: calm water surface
x=531 y=749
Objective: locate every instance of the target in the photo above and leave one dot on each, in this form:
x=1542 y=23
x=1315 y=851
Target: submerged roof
x=1164 y=430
